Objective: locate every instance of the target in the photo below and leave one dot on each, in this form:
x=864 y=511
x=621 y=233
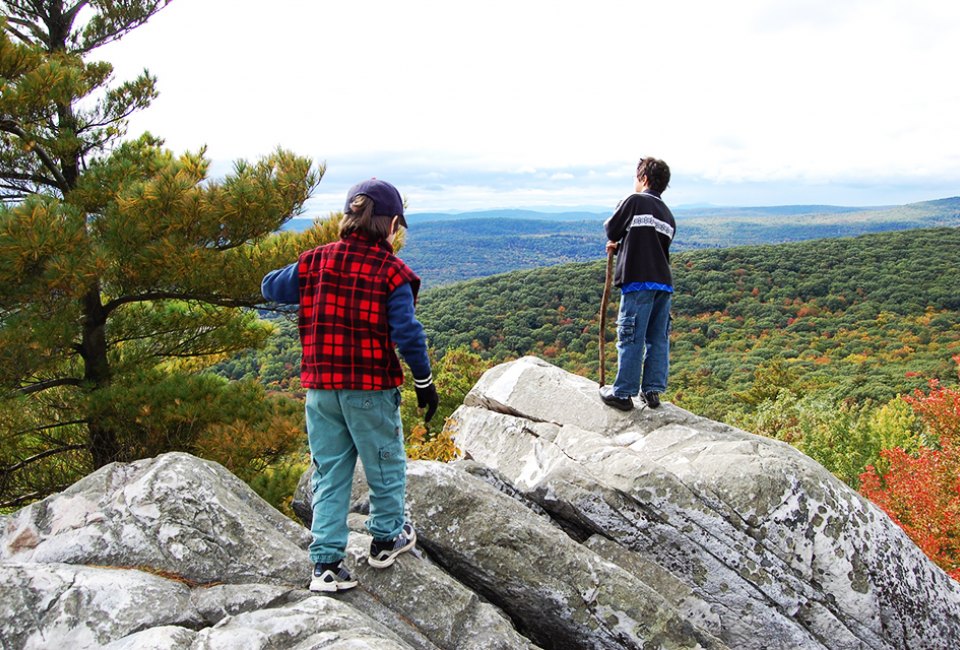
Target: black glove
x=426 y=396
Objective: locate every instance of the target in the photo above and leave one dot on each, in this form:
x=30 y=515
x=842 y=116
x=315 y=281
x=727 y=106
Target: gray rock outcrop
x=749 y=539
x=175 y=552
x=571 y=525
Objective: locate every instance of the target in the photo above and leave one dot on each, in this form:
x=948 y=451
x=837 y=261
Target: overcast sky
x=526 y=103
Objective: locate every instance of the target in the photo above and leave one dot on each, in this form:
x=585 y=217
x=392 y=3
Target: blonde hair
x=360 y=218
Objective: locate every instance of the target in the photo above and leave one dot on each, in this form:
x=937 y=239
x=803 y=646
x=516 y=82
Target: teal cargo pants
x=341 y=425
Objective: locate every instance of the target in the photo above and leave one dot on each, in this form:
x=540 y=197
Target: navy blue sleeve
x=407 y=333
x=282 y=285
x=617 y=225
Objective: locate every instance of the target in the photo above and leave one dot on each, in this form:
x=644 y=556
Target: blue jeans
x=342 y=424
x=643 y=343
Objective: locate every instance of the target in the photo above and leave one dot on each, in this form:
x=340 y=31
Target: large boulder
x=445 y=612
x=175 y=513
x=745 y=537
x=560 y=593
x=62 y=606
x=175 y=552
x=314 y=622
x=570 y=525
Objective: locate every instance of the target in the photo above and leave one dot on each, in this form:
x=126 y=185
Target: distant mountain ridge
x=603 y=213
x=446 y=248
x=508 y=213
x=590 y=213
x=778 y=210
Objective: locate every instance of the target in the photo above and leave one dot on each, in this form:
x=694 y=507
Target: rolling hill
x=811 y=342
x=465 y=247
x=446 y=248
x=867 y=318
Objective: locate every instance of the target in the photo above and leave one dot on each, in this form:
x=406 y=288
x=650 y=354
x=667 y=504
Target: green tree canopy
x=124 y=268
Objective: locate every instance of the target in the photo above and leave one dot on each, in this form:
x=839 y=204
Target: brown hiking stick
x=603 y=317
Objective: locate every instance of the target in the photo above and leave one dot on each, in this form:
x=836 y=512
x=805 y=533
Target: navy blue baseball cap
x=386 y=199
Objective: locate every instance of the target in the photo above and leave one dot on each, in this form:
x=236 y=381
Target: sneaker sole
x=618 y=405
x=323 y=586
x=390 y=559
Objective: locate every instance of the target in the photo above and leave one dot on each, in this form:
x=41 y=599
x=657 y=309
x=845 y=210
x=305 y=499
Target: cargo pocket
x=366 y=412
x=393 y=463
x=626 y=329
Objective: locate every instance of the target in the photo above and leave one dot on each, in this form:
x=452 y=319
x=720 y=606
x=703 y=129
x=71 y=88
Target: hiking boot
x=331 y=577
x=652 y=399
x=622 y=403
x=383 y=553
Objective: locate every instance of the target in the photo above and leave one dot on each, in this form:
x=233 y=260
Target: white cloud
x=796 y=94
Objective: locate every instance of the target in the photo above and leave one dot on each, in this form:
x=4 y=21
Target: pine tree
x=123 y=268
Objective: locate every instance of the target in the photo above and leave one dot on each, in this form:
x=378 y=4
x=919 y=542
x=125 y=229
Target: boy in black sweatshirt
x=640 y=231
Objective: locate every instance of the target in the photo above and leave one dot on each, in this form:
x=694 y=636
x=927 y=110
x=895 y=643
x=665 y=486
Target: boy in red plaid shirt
x=356 y=303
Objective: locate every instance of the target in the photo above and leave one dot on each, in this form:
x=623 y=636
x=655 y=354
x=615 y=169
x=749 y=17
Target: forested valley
x=445 y=250
x=846 y=348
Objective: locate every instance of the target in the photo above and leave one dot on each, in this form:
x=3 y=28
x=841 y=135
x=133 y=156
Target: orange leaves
x=922 y=495
x=939 y=409
x=921 y=492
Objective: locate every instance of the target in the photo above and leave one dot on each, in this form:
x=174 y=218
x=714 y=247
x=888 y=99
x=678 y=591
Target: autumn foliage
x=921 y=491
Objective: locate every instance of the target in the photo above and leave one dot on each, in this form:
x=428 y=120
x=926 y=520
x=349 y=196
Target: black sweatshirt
x=644 y=227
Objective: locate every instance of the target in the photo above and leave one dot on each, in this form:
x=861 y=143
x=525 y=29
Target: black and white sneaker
x=608 y=398
x=652 y=399
x=384 y=553
x=331 y=577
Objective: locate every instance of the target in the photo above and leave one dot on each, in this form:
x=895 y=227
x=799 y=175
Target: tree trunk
x=104 y=446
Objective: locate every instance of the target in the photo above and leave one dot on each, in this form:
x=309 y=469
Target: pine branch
x=119 y=30
x=172 y=295
x=11 y=127
x=33 y=496
x=290 y=311
x=6 y=472
x=49 y=383
x=55 y=425
x=37 y=179
x=33 y=28
x=20 y=35
x=13 y=193
x=71 y=13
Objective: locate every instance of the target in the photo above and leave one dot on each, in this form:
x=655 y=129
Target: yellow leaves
x=421 y=445
x=193 y=167
x=417 y=434
x=141 y=414
x=43 y=245
x=194 y=364
x=246 y=449
x=50 y=81
x=15 y=58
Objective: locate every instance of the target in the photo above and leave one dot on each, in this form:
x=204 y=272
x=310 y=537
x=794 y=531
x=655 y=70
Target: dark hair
x=657 y=173
x=360 y=218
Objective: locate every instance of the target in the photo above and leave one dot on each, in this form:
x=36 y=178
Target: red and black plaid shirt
x=344 y=288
